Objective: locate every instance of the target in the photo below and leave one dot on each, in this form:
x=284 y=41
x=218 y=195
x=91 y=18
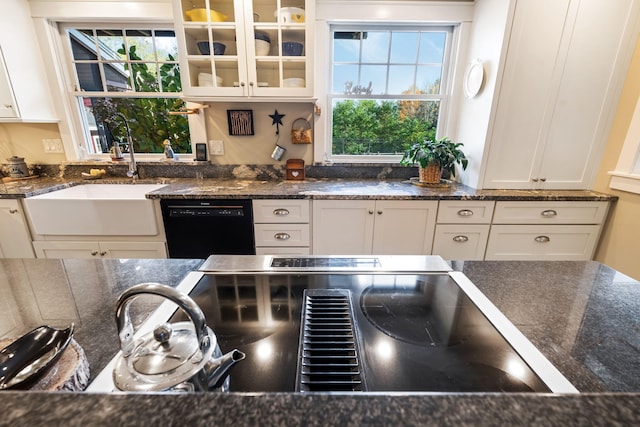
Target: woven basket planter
x=431 y=174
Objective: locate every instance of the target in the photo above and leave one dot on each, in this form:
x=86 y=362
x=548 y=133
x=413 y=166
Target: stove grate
x=329 y=354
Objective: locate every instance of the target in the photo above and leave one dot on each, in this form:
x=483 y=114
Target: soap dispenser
x=168 y=151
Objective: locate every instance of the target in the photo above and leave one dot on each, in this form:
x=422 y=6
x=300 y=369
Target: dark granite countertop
x=324 y=188
x=582 y=315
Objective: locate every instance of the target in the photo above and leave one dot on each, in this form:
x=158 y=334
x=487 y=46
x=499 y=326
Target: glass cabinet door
x=245 y=48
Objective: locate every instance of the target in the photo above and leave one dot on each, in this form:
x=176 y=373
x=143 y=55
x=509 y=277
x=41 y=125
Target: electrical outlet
x=52 y=146
x=216 y=147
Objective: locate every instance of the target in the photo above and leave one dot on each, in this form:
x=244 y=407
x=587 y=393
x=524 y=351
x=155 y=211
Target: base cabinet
x=462 y=229
x=15 y=238
x=545 y=230
x=381 y=227
x=94 y=249
x=282 y=227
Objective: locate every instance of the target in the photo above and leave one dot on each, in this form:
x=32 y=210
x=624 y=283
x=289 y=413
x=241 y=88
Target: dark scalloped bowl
x=27 y=358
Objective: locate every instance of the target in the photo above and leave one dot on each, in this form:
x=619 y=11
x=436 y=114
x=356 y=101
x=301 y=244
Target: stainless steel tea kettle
x=182 y=356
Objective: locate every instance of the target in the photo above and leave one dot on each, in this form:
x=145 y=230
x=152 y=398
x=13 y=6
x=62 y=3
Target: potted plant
x=435 y=157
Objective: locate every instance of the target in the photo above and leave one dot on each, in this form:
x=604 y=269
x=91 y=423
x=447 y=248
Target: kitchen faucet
x=133 y=167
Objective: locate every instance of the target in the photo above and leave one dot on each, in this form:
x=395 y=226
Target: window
x=388 y=89
x=626 y=177
x=129 y=71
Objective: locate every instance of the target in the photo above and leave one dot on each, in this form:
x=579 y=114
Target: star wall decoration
x=277 y=120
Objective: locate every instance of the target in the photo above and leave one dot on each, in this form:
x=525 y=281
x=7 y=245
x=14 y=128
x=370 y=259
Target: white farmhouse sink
x=95 y=210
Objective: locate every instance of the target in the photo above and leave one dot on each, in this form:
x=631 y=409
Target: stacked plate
x=293 y=82
x=206 y=79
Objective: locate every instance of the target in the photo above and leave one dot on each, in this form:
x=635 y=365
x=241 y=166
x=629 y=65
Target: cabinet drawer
x=282 y=235
x=300 y=250
x=465 y=211
x=550 y=212
x=280 y=211
x=542 y=242
x=461 y=242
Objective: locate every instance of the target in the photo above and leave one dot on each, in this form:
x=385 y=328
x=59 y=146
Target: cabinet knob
x=13 y=211
x=94 y=253
x=380 y=212
x=542 y=239
x=549 y=213
x=8 y=106
x=534 y=179
x=370 y=212
x=103 y=253
x=465 y=212
x=543 y=179
x=282 y=236
x=460 y=239
x=281 y=212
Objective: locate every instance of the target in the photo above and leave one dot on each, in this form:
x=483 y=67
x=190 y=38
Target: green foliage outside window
x=370 y=127
x=148 y=118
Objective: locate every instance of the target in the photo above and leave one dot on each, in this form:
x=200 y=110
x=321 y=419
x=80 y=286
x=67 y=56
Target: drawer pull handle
x=460 y=239
x=13 y=211
x=549 y=213
x=281 y=212
x=282 y=236
x=465 y=212
x=542 y=239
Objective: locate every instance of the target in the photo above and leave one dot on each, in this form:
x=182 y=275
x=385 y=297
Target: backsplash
x=73 y=170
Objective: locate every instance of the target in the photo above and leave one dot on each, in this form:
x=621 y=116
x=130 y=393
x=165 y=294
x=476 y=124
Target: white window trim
x=329 y=12
x=626 y=176
x=46 y=16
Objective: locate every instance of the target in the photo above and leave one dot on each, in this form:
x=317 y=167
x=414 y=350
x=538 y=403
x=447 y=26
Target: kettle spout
x=218 y=369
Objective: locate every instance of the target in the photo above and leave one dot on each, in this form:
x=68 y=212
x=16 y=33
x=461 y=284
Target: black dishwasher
x=197 y=228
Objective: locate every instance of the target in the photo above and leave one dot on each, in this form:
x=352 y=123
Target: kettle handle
x=123 y=320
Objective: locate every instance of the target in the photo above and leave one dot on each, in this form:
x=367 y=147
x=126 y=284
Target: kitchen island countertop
x=583 y=316
x=326 y=188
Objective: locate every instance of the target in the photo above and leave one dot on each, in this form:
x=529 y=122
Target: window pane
x=432 y=47
x=344 y=76
x=111 y=45
x=375 y=127
x=401 y=78
x=84 y=47
x=166 y=45
x=140 y=45
x=375 y=78
x=428 y=80
x=404 y=47
x=375 y=48
x=148 y=118
x=346 y=50
x=117 y=75
x=89 y=76
x=145 y=77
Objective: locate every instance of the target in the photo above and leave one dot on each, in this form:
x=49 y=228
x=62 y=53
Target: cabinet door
x=8 y=106
x=404 y=227
x=343 y=227
x=133 y=249
x=525 y=93
x=57 y=249
x=15 y=239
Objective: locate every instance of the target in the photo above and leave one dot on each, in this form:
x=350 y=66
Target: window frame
x=74 y=94
x=444 y=97
x=626 y=176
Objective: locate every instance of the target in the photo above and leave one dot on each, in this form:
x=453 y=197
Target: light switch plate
x=52 y=146
x=216 y=147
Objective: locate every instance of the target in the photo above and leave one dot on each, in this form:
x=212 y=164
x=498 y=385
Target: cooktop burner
x=417 y=332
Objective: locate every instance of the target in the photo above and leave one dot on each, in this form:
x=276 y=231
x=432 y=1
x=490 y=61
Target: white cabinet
x=15 y=238
x=382 y=227
x=245 y=27
x=99 y=249
x=24 y=92
x=281 y=227
x=558 y=89
x=545 y=230
x=462 y=229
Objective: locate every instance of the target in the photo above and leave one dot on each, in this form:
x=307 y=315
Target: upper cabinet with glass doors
x=245 y=48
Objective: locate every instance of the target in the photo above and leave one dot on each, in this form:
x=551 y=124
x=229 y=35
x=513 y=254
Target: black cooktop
x=416 y=332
